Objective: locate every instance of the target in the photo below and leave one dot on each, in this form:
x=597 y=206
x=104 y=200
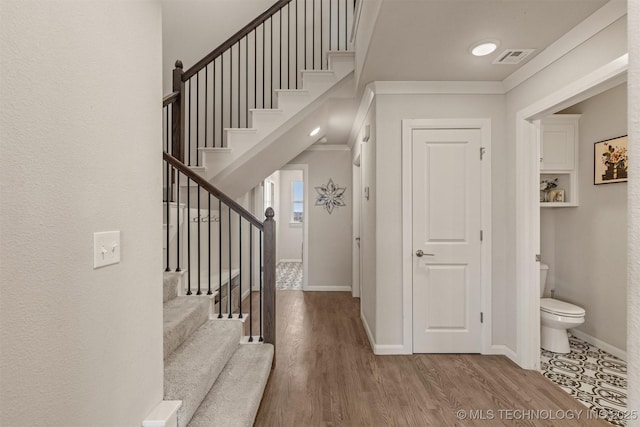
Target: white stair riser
x=266 y=120
x=341 y=64
x=293 y=101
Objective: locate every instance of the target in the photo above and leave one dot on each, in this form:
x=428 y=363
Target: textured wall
x=633 y=286
x=80 y=136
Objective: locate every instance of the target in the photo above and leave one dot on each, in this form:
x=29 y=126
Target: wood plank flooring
x=327 y=375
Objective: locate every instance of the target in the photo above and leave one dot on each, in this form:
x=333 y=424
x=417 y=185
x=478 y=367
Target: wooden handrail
x=170 y=99
x=213 y=190
x=234 y=39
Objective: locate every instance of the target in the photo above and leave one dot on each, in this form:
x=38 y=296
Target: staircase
x=250 y=154
x=232 y=119
x=219 y=380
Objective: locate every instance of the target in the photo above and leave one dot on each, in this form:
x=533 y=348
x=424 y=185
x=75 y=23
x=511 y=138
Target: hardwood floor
x=327 y=375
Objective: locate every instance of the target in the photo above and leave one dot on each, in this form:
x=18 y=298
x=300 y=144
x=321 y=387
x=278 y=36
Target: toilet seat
x=560 y=308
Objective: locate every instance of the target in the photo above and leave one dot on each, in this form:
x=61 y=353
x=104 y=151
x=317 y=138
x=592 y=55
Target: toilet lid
x=561 y=308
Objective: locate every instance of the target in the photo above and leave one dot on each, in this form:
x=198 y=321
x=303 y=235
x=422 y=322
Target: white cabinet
x=559 y=158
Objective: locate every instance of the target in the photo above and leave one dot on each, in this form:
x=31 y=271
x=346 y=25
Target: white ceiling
x=430 y=39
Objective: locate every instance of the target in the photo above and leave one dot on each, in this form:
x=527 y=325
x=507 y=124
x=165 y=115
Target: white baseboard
x=380 y=349
x=163 y=415
x=328 y=289
x=289 y=260
x=617 y=352
x=505 y=351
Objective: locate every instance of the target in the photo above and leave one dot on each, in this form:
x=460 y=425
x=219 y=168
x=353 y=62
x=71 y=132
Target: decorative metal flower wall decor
x=330 y=196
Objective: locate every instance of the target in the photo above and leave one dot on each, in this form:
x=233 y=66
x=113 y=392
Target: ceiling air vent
x=513 y=56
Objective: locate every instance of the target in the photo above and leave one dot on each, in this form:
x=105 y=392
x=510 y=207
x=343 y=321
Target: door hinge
x=481 y=235
x=482 y=151
x=538 y=258
x=481 y=317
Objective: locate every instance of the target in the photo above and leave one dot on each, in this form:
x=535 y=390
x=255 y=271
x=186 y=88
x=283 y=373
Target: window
x=297 y=201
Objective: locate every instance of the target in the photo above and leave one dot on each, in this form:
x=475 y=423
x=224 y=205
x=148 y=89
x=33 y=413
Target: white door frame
x=356 y=276
x=527 y=195
x=305 y=223
x=408 y=126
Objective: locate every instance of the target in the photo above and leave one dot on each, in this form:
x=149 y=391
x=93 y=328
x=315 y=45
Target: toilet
x=555 y=318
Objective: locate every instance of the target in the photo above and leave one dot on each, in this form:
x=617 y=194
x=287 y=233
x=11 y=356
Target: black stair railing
x=243 y=73
x=222 y=249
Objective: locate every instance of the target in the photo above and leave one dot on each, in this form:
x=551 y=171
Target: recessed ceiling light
x=484 y=47
x=314 y=132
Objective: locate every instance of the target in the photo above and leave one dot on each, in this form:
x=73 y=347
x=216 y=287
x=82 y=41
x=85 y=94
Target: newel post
x=270 y=278
x=177 y=148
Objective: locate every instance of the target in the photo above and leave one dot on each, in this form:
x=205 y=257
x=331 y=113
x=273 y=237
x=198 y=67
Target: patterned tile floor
x=594 y=377
x=289 y=276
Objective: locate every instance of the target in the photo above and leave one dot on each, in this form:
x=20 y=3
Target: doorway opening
x=528 y=143
x=285 y=191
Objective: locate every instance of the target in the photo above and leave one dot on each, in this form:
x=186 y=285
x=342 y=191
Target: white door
x=446 y=218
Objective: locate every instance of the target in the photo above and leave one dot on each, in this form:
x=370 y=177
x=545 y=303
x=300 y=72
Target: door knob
x=420 y=254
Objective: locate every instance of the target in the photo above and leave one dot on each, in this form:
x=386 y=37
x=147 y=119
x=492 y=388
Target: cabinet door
x=558 y=146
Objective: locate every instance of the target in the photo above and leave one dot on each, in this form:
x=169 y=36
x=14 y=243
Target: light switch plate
x=106 y=248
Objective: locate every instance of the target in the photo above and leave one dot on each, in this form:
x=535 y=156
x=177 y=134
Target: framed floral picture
x=610 y=161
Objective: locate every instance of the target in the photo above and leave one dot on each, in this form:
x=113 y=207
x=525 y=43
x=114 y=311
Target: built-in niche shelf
x=559 y=159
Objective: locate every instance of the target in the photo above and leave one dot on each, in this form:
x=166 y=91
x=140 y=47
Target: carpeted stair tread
x=181 y=317
x=192 y=369
x=170 y=286
x=235 y=397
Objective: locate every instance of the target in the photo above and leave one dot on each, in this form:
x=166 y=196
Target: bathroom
x=583 y=241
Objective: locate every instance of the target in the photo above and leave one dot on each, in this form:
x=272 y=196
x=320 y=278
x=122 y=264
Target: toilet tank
x=544 y=270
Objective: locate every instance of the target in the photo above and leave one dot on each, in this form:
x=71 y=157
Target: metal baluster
x=178 y=220
x=321 y=38
x=168 y=222
x=213 y=106
x=206 y=101
x=197 y=119
x=209 y=244
x=221 y=98
x=255 y=71
x=261 y=339
x=220 y=259
x=346 y=16
x=305 y=34
x=331 y=22
x=295 y=70
x=263 y=63
x=189 y=126
x=240 y=267
x=313 y=33
x=199 y=269
x=188 y=235
x=271 y=52
x=239 y=88
x=246 y=81
x=280 y=50
x=230 y=87
x=288 y=46
x=229 y=298
x=250 y=282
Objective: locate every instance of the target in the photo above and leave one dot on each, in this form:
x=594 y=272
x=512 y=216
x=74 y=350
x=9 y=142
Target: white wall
x=80 y=133
x=633 y=280
x=329 y=262
x=289 y=240
x=193 y=28
x=390 y=111
x=590 y=242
